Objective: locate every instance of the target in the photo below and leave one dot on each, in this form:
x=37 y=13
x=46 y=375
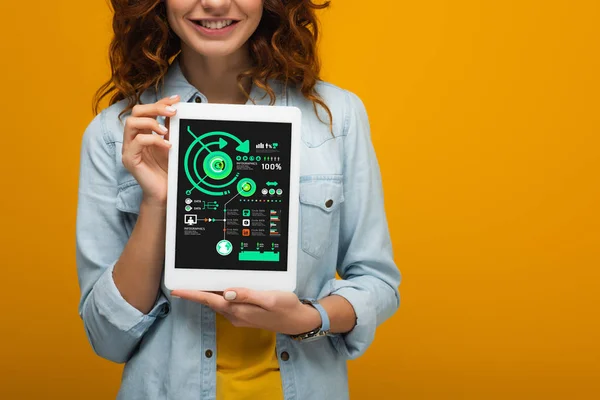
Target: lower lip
x=215 y=32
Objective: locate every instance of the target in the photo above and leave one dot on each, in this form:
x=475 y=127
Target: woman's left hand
x=272 y=310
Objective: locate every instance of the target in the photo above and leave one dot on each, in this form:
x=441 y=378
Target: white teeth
x=216 y=24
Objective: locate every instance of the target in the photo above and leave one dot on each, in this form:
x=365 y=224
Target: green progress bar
x=258 y=256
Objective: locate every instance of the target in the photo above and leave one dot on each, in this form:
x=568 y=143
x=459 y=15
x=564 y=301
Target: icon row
x=272 y=191
x=192 y=219
x=248 y=158
x=206 y=205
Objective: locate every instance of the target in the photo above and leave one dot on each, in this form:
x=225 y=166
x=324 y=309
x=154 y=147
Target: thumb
x=238 y=295
x=243 y=295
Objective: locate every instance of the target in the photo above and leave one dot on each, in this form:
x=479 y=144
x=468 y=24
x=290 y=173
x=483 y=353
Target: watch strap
x=322 y=330
x=324 y=317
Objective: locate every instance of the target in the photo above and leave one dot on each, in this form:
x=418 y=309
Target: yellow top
x=247 y=365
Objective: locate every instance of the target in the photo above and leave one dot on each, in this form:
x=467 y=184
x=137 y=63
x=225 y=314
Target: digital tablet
x=232 y=205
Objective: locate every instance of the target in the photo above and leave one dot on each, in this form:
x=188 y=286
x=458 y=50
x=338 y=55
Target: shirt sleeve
x=370 y=277
x=113 y=326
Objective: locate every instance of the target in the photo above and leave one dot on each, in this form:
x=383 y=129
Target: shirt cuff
x=354 y=343
x=119 y=313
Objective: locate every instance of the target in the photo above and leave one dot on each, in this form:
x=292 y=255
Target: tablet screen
x=233 y=195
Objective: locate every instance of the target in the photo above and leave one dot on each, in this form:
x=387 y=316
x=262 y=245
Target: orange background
x=485 y=118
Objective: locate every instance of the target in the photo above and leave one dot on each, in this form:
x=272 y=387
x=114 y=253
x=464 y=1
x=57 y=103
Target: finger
x=212 y=300
x=262 y=298
x=169 y=100
x=137 y=145
x=154 y=109
x=134 y=126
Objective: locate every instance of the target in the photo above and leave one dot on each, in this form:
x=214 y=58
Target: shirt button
x=328 y=203
x=285 y=356
x=167 y=308
x=198 y=100
x=208 y=353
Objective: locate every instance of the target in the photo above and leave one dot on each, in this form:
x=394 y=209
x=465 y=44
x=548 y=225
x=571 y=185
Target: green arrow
x=271 y=183
x=244 y=147
x=222 y=143
x=214 y=133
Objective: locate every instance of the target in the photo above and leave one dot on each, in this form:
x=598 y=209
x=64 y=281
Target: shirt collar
x=176 y=83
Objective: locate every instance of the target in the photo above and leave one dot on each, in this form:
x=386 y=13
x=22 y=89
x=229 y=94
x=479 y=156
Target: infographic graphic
x=233 y=195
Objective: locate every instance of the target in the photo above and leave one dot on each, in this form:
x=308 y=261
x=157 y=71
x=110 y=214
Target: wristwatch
x=322 y=330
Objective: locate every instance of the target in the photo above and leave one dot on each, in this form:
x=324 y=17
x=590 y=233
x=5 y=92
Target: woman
x=240 y=344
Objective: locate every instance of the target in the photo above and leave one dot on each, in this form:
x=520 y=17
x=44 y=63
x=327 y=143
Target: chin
x=215 y=49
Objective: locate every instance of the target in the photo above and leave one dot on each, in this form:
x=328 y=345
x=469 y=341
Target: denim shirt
x=166 y=350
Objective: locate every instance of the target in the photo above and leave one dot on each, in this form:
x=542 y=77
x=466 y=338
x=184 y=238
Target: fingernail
x=169 y=143
x=162 y=127
x=174 y=96
x=230 y=295
x=175 y=297
x=170 y=109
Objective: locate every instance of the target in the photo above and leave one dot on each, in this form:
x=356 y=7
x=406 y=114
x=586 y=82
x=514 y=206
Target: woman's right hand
x=146 y=155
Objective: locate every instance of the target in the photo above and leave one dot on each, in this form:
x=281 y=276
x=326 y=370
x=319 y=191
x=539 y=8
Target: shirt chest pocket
x=320 y=200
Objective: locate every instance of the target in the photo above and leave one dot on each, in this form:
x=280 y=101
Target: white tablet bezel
x=217 y=279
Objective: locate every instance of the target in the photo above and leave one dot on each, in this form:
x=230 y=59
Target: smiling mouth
x=215 y=25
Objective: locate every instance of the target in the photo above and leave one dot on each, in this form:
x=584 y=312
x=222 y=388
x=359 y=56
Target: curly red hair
x=283 y=47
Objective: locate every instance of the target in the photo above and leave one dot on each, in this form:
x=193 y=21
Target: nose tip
x=215 y=3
